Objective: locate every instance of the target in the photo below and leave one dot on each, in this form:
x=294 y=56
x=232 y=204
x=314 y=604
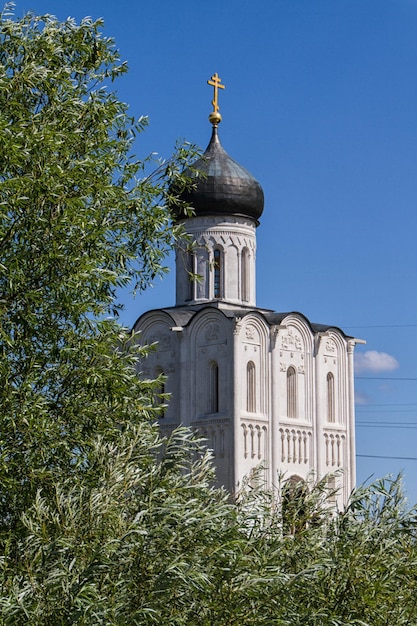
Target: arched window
x=245 y=276
x=250 y=388
x=294 y=495
x=295 y=482
x=330 y=398
x=191 y=261
x=213 y=387
x=291 y=392
x=218 y=270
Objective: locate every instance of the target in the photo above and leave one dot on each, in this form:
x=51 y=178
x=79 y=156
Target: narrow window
x=218 y=274
x=213 y=388
x=291 y=392
x=250 y=388
x=330 y=398
x=245 y=275
x=190 y=273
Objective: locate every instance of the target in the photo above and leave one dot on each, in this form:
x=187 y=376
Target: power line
x=382 y=326
x=383 y=378
x=380 y=456
x=390 y=411
x=366 y=421
x=390 y=422
x=399 y=426
x=392 y=404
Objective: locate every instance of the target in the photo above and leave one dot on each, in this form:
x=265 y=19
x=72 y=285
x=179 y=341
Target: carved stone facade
x=223 y=259
x=228 y=374
x=269 y=391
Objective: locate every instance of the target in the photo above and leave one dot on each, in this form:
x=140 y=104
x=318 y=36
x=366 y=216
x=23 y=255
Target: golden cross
x=215 y=82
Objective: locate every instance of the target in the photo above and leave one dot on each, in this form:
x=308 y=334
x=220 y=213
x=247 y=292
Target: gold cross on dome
x=215 y=81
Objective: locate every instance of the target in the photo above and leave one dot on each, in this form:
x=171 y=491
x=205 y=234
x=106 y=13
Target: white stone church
x=266 y=389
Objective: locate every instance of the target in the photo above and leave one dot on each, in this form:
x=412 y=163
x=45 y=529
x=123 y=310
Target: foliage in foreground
x=78 y=220
x=102 y=521
x=153 y=543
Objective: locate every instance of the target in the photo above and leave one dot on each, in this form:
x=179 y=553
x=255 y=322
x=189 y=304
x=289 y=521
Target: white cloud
x=374 y=361
x=361 y=398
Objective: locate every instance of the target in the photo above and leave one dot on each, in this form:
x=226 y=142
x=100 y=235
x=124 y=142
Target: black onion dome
x=225 y=187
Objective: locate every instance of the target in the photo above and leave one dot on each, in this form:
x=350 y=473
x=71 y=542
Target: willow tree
x=79 y=219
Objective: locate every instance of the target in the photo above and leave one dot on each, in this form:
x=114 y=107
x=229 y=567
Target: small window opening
x=330 y=398
x=213 y=389
x=291 y=392
x=217 y=274
x=250 y=388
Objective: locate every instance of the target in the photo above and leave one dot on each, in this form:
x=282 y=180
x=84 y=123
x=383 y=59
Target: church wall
x=294 y=413
x=210 y=384
x=333 y=410
x=232 y=380
x=312 y=434
x=155 y=328
x=252 y=398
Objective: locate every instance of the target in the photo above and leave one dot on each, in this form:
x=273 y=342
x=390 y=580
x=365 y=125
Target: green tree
x=78 y=220
x=355 y=567
x=81 y=465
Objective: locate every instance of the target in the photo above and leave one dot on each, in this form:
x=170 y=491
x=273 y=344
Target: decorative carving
x=334 y=449
x=282 y=367
x=238 y=326
x=250 y=332
x=218 y=234
x=245 y=441
x=291 y=340
x=274 y=334
x=300 y=369
x=254 y=441
x=212 y=332
x=163 y=340
x=330 y=346
x=294 y=445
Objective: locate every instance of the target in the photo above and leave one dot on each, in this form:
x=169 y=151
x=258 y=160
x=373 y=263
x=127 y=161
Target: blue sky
x=321 y=106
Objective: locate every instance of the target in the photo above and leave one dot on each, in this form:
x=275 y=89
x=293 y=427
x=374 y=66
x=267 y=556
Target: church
x=267 y=390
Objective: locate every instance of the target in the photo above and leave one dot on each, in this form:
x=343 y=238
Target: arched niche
x=294 y=350
x=333 y=377
x=253 y=343
x=207 y=345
